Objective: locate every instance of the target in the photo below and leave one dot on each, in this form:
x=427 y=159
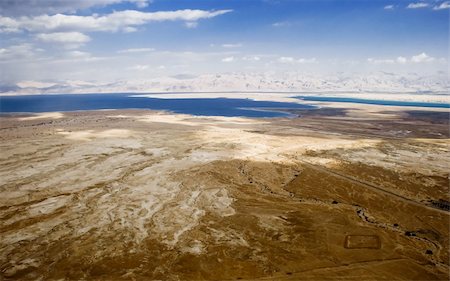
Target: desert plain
x=338 y=193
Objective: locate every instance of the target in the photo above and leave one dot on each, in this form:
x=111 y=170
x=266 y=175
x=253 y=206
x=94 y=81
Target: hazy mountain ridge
x=288 y=82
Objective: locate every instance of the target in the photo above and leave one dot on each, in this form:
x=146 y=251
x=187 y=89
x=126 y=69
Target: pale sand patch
x=246 y=145
x=260 y=147
x=191 y=120
x=91 y=134
x=431 y=159
x=361 y=110
x=45 y=115
x=290 y=97
x=407 y=97
x=42 y=208
x=196 y=247
x=327 y=162
x=48 y=205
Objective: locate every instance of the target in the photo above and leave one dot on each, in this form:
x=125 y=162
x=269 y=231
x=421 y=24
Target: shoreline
x=297 y=100
x=432 y=97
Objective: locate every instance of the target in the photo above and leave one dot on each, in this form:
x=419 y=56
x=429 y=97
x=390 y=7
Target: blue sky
x=117 y=39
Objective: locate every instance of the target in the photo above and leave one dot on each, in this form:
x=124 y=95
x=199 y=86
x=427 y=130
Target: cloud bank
x=39 y=7
x=116 y=21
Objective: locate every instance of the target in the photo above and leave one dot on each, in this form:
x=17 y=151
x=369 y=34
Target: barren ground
x=342 y=194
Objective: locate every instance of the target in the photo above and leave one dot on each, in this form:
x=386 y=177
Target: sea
x=194 y=106
x=230 y=107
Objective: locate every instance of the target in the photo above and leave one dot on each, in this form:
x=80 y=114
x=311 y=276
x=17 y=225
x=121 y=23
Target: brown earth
x=142 y=195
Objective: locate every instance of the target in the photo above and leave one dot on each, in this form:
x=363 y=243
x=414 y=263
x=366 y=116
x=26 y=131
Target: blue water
x=377 y=102
x=204 y=107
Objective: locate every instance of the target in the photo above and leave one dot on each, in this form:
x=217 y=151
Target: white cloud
x=130 y=29
x=68 y=58
x=281 y=24
x=311 y=60
x=191 y=24
x=294 y=60
x=401 y=60
x=141 y=3
x=136 y=50
x=442 y=6
x=286 y=60
x=237 y=45
x=63 y=37
x=8 y=25
x=417 y=5
x=20 y=51
x=380 y=61
x=138 y=67
x=70 y=40
x=79 y=54
x=251 y=58
x=420 y=58
x=116 y=21
x=389 y=7
x=33 y=7
x=228 y=59
x=423 y=57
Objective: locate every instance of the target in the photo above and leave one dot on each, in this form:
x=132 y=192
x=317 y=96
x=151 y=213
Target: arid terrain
x=339 y=193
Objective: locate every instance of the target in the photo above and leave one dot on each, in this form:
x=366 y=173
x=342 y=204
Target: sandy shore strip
x=291 y=97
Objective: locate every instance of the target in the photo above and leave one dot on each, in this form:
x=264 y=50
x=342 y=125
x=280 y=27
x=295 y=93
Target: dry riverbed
x=343 y=194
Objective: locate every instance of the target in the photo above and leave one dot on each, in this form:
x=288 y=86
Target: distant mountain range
x=254 y=82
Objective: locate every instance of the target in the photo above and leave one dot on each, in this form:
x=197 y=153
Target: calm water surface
x=204 y=107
